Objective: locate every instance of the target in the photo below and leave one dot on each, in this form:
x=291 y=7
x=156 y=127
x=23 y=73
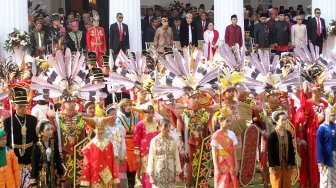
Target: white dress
x=208 y=38
x=299 y=35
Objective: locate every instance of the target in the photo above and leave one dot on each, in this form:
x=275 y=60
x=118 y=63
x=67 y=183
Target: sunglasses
x=318 y=13
x=120 y=17
x=298 y=19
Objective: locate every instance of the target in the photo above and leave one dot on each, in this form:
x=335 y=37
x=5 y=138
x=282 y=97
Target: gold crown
x=222 y=113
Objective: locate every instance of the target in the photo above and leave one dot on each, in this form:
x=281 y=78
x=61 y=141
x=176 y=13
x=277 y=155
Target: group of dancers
x=162 y=118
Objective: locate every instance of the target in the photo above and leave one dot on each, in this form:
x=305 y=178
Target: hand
x=182 y=152
x=309 y=41
x=236 y=169
x=304 y=144
x=177 y=178
x=256 y=45
x=271 y=169
x=275 y=45
x=138 y=159
x=151 y=180
x=323 y=167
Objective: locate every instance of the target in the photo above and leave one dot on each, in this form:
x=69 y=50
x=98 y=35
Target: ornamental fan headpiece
x=267 y=77
x=185 y=76
x=67 y=79
x=131 y=73
x=317 y=71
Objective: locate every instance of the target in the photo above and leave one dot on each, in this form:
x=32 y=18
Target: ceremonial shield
x=248 y=163
x=204 y=165
x=78 y=158
x=296 y=172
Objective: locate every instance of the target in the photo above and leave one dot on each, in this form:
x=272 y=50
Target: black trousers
x=319 y=42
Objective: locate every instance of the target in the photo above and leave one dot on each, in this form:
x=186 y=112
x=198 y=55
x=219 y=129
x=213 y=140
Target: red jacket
x=99 y=166
x=95 y=39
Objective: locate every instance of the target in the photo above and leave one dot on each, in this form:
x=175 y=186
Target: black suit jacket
x=31 y=137
x=176 y=33
x=184 y=34
x=150 y=33
x=114 y=37
x=312 y=29
x=198 y=25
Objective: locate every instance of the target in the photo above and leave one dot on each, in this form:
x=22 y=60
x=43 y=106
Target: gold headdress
x=330 y=111
x=222 y=113
x=95 y=15
x=230 y=79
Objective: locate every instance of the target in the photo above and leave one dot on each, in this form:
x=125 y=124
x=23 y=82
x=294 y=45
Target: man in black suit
x=150 y=32
x=119 y=37
x=176 y=29
x=317 y=30
x=148 y=17
x=188 y=32
x=201 y=26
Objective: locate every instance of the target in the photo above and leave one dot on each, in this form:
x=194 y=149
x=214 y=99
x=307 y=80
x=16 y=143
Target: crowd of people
x=80 y=118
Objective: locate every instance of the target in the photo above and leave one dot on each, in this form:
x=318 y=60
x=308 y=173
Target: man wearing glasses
x=299 y=33
x=163 y=36
x=317 y=30
x=119 y=37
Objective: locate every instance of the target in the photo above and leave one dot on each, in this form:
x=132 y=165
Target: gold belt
x=96 y=43
x=26 y=146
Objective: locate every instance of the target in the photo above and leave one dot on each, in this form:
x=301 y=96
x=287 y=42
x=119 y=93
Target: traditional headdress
x=317 y=71
x=95 y=15
x=329 y=111
x=105 y=61
x=55 y=16
x=231 y=75
x=19 y=95
x=91 y=58
x=67 y=79
x=267 y=77
x=222 y=113
x=97 y=73
x=182 y=77
x=131 y=73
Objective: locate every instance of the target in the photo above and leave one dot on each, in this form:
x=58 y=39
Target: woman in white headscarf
x=211 y=41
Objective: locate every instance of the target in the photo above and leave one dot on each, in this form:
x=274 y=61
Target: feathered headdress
x=230 y=79
x=317 y=71
x=185 y=78
x=267 y=77
x=67 y=79
x=131 y=73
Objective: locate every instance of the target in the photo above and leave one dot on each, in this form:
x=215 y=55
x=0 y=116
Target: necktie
x=120 y=33
x=39 y=40
x=203 y=25
x=318 y=27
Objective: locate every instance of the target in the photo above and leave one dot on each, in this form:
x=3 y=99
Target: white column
x=224 y=9
x=131 y=11
x=13 y=14
x=328 y=13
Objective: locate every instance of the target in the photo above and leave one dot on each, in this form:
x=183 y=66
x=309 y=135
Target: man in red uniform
x=95 y=38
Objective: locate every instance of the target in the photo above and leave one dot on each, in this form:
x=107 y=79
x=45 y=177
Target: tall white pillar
x=328 y=13
x=13 y=14
x=224 y=9
x=132 y=17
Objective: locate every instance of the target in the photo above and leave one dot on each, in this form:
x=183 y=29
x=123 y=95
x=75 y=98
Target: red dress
x=306 y=126
x=99 y=168
x=95 y=41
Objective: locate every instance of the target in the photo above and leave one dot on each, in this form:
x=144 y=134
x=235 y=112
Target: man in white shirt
x=299 y=33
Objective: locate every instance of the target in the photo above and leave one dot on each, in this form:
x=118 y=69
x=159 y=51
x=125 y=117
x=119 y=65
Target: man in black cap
x=281 y=34
x=262 y=34
x=91 y=60
x=53 y=33
x=21 y=133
